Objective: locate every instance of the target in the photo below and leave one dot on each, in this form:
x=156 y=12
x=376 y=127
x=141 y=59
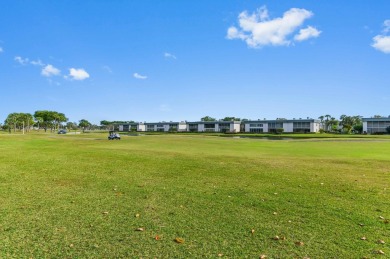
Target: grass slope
x=83 y=196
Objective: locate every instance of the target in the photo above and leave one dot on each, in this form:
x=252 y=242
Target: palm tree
x=321 y=118
x=327 y=116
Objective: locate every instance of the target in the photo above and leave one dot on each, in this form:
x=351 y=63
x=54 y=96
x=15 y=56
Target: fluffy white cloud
x=307 y=33
x=50 y=70
x=169 y=55
x=78 y=74
x=382 y=41
x=257 y=29
x=20 y=60
x=138 y=76
x=37 y=63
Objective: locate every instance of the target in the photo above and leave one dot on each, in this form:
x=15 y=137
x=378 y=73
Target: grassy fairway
x=84 y=196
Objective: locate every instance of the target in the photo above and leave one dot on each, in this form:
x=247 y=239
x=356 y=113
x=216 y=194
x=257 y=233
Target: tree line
x=43 y=119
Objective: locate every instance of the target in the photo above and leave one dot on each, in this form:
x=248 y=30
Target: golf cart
x=113 y=135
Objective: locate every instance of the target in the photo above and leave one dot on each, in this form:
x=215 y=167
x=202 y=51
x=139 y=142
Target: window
x=256 y=125
x=256 y=130
x=275 y=125
x=377 y=126
x=209 y=126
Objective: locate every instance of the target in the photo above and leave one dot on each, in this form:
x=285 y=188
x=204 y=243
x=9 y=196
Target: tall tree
x=327 y=119
x=12 y=120
x=321 y=118
x=38 y=121
x=50 y=119
x=207 y=118
x=348 y=122
x=84 y=124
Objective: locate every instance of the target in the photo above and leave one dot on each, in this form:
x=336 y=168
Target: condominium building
x=375 y=125
x=214 y=126
x=259 y=126
x=289 y=126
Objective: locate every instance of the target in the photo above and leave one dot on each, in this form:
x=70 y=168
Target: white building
x=214 y=126
x=375 y=125
x=288 y=126
x=259 y=126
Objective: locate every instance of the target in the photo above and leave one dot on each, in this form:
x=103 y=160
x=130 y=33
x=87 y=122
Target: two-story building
x=288 y=126
x=375 y=125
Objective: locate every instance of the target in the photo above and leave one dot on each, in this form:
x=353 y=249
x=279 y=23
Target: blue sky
x=182 y=60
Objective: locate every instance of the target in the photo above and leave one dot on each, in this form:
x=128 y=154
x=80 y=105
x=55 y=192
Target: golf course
x=193 y=196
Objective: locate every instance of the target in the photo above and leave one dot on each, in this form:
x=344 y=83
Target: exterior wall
x=141 y=127
x=235 y=127
x=265 y=127
x=120 y=127
x=314 y=127
x=288 y=126
x=365 y=126
x=182 y=127
x=200 y=127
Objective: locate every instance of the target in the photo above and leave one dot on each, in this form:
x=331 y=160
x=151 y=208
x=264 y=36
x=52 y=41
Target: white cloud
x=138 y=76
x=309 y=32
x=386 y=24
x=78 y=74
x=107 y=68
x=1 y=50
x=382 y=41
x=50 y=70
x=37 y=63
x=20 y=60
x=169 y=55
x=257 y=29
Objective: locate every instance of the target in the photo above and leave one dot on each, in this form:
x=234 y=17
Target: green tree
x=71 y=125
x=348 y=122
x=321 y=118
x=38 y=121
x=58 y=119
x=46 y=118
x=231 y=119
x=207 y=118
x=12 y=120
x=50 y=119
x=26 y=120
x=327 y=120
x=84 y=124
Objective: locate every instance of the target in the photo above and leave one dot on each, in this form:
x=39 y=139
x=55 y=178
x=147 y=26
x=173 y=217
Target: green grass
x=209 y=191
